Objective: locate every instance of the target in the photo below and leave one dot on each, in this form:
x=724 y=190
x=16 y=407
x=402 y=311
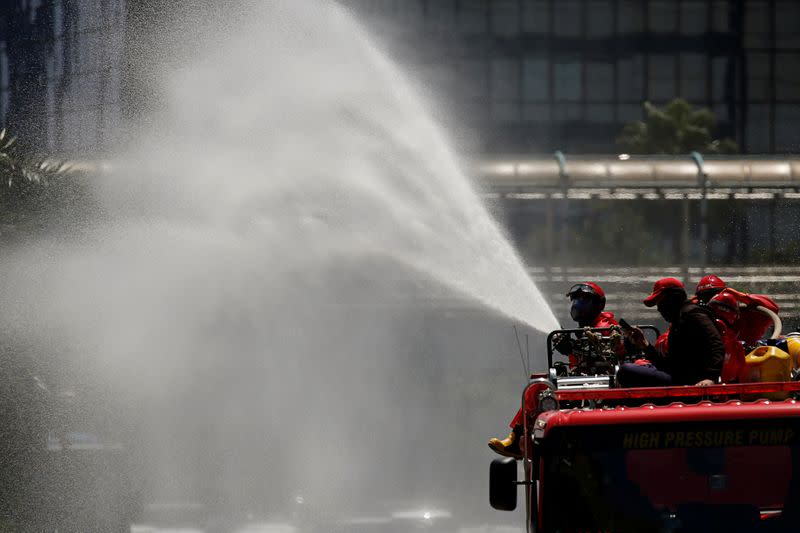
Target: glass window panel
x=757 y=128
x=600 y=113
x=756 y=24
x=474 y=79
x=505 y=78
x=631 y=16
x=787 y=23
x=535 y=84
x=630 y=79
x=787 y=76
x=758 y=85
x=629 y=112
x=663 y=16
x=505 y=111
x=787 y=134
x=693 y=76
x=535 y=16
x=472 y=16
x=567 y=18
x=600 y=77
x=721 y=111
x=505 y=17
x=720 y=16
x=693 y=17
x=441 y=14
x=567 y=81
x=536 y=112
x=719 y=79
x=661 y=78
x=599 y=17
x=566 y=112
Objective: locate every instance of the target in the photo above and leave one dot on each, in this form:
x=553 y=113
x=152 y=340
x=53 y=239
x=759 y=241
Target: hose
x=777 y=325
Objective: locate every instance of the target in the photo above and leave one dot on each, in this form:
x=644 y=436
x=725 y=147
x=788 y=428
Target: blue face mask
x=582 y=310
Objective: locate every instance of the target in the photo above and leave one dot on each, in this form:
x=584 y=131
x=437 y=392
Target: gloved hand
x=563 y=344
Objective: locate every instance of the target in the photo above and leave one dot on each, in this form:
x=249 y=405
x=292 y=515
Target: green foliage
x=674 y=129
x=33 y=189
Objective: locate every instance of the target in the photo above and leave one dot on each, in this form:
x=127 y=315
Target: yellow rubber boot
x=508 y=447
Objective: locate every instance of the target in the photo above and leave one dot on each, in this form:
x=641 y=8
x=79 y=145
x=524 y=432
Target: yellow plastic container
x=793 y=343
x=767 y=363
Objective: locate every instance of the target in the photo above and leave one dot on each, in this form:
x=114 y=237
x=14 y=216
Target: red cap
x=660 y=286
x=587 y=286
x=710 y=282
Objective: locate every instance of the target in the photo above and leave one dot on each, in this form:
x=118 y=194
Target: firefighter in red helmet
x=587 y=304
x=725 y=307
x=708 y=287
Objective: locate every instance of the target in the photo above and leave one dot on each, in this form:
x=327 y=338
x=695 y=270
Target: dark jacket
x=695 y=349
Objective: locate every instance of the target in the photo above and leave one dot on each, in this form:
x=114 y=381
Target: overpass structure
x=626 y=177
x=562 y=179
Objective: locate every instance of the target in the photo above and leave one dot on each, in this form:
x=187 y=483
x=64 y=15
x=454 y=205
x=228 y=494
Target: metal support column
x=564 y=179
x=702 y=179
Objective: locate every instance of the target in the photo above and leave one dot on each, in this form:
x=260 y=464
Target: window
x=567 y=81
x=566 y=112
x=787 y=24
x=505 y=90
x=472 y=16
x=756 y=24
x=536 y=112
x=757 y=128
x=473 y=79
x=505 y=79
x=693 y=17
x=535 y=16
x=441 y=14
x=505 y=17
x=721 y=85
x=720 y=15
x=599 y=18
x=630 y=16
x=787 y=76
x=663 y=16
x=600 y=77
x=600 y=113
x=787 y=135
x=693 y=76
x=661 y=81
x=630 y=80
x=758 y=82
x=535 y=86
x=567 y=18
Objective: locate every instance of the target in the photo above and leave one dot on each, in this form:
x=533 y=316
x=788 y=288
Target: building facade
x=541 y=75
x=525 y=75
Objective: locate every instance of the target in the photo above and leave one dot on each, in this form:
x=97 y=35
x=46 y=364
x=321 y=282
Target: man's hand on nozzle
x=563 y=344
x=636 y=337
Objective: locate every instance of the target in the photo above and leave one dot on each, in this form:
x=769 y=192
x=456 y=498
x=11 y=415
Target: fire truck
x=603 y=459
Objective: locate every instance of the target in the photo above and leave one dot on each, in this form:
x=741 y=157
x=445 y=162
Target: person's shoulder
x=694 y=311
x=606 y=319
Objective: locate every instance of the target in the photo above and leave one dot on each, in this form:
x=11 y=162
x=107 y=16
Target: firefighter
x=708 y=287
x=725 y=307
x=695 y=350
x=752 y=323
x=587 y=304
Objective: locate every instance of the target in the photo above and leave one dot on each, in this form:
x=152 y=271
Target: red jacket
x=734 y=352
x=605 y=320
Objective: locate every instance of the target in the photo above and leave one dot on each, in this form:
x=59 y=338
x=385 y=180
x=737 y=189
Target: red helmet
x=661 y=287
x=589 y=288
x=710 y=283
x=725 y=306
